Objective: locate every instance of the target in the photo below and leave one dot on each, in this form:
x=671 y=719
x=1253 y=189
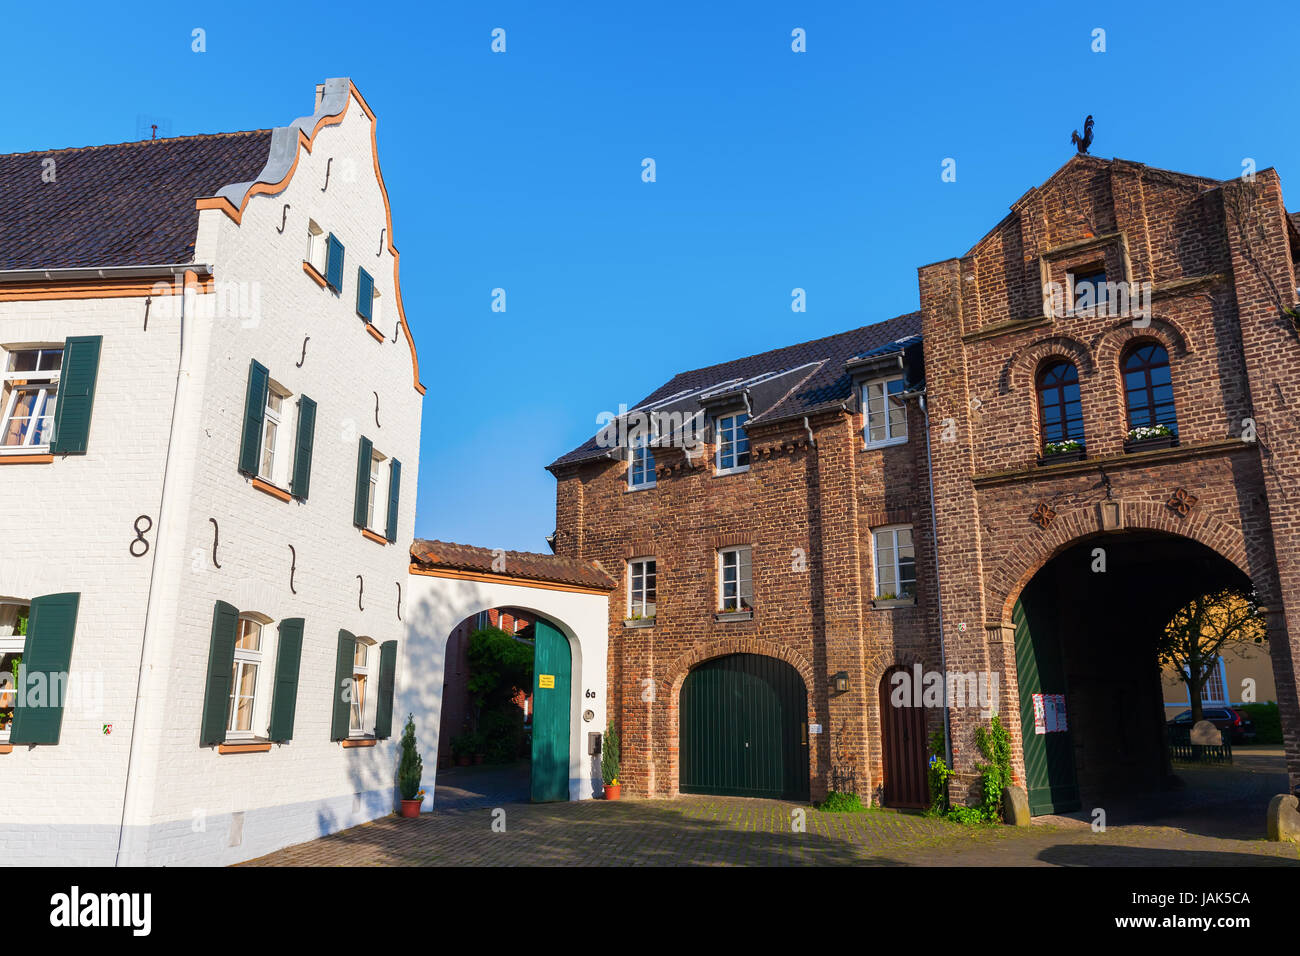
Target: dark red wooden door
x=903 y=730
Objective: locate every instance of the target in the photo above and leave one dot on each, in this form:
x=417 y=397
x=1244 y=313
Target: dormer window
x=884 y=412
x=733 y=444
x=641 y=467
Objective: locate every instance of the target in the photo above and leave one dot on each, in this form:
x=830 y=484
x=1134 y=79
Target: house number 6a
x=590 y=693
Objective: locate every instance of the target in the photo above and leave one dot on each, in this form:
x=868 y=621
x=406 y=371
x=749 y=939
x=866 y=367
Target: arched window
x=1059 y=405
x=1148 y=388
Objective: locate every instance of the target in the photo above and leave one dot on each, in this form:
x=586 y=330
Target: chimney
x=320 y=95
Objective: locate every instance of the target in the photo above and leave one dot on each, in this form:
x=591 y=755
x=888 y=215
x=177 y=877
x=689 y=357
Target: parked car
x=1235 y=725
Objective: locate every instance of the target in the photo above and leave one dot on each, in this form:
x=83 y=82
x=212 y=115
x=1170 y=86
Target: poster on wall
x=1049 y=714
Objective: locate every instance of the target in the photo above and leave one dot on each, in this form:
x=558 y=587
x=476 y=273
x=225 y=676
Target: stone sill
x=275 y=491
x=639 y=622
x=884 y=605
x=726 y=617
x=44 y=459
x=6 y=748
x=251 y=747
x=374 y=333
x=1122 y=460
x=1002 y=328
x=316 y=277
x=370 y=535
x=359 y=742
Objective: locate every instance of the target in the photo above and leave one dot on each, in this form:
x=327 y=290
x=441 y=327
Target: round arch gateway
x=744 y=729
x=1086 y=672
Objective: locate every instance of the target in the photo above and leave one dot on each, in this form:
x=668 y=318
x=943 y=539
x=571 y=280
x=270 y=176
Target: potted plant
x=1069 y=449
x=409 y=771
x=609 y=759
x=1150 y=437
x=462 y=748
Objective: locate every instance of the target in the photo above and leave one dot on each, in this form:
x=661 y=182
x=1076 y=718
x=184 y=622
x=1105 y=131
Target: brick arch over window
x=1114 y=343
x=1021 y=371
x=1028 y=555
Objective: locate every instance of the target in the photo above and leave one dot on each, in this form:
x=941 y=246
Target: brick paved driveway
x=727 y=831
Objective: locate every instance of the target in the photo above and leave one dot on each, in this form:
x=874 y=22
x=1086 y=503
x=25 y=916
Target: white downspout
x=938 y=596
x=134 y=791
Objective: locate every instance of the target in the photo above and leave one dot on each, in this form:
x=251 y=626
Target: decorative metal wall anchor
x=377 y=425
x=147 y=302
x=361 y=584
x=1042 y=515
x=139 y=536
x=328 y=163
x=284 y=218
x=305 y=340
x=396 y=326
x=399 y=599
x=216 y=537
x=292 y=568
x=1182 y=501
x=380 y=250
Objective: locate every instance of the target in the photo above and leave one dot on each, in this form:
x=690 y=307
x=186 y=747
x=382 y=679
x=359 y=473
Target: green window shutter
x=221 y=662
x=302 y=448
x=340 y=715
x=384 y=708
x=394 y=489
x=285 y=699
x=365 y=294
x=365 y=451
x=250 y=445
x=334 y=264
x=47 y=655
x=76 y=397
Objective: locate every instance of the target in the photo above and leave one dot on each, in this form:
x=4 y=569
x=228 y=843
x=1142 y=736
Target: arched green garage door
x=744 y=729
x=552 y=661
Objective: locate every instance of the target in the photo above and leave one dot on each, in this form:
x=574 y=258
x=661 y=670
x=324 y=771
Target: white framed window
x=884 y=412
x=316 y=246
x=31 y=386
x=377 y=493
x=13 y=638
x=360 y=719
x=735 y=579
x=733 y=444
x=641 y=587
x=1214 y=691
x=641 y=467
x=895 y=562
x=271 y=465
x=246 y=670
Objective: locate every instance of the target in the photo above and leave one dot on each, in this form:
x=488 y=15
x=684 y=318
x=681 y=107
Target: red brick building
x=1097 y=400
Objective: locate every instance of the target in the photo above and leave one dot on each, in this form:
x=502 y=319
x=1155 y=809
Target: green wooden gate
x=552 y=662
x=744 y=729
x=1040 y=666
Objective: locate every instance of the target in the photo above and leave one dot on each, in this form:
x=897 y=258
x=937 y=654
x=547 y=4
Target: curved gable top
x=282 y=161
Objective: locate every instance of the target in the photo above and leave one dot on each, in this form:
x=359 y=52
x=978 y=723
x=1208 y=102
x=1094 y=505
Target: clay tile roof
x=531 y=565
x=123 y=205
x=823 y=381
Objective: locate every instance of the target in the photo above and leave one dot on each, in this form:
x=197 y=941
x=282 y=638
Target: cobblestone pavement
x=733 y=831
x=1216 y=821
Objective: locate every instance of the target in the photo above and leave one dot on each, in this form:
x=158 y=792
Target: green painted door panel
x=743 y=729
x=551 y=659
x=1040 y=666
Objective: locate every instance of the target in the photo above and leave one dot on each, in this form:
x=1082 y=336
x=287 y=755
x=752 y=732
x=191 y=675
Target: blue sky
x=775 y=170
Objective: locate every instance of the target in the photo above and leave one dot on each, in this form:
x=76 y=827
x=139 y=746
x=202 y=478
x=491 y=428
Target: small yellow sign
x=546 y=680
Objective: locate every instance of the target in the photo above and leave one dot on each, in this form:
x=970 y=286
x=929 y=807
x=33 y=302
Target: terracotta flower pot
x=411 y=808
x=613 y=791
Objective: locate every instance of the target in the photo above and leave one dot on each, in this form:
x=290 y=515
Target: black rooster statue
x=1084 y=141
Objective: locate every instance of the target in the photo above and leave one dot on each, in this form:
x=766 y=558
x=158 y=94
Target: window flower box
x=1150 y=438
x=639 y=622
x=881 y=603
x=1056 y=452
